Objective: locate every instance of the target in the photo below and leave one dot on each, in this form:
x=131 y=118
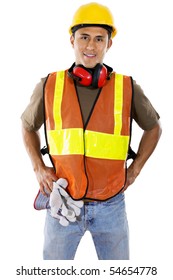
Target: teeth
x=90 y=55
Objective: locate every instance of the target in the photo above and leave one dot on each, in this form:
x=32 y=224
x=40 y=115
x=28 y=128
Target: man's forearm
x=45 y=175
x=147 y=145
x=32 y=144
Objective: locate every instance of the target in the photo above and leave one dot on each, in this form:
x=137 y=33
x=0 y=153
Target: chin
x=89 y=65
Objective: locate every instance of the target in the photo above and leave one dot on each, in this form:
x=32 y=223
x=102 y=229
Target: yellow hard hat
x=93 y=14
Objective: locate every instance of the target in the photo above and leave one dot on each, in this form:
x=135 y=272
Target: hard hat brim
x=109 y=28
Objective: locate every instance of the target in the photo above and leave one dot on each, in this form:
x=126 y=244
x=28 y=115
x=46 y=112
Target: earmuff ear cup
x=85 y=77
x=99 y=76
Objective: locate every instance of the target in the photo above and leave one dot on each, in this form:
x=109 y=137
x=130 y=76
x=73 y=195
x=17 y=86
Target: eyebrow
x=98 y=36
x=84 y=34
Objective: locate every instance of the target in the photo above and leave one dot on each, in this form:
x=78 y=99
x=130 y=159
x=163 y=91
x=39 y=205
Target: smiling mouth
x=89 y=55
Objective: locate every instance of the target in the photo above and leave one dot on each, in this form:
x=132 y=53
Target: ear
x=109 y=44
x=72 y=40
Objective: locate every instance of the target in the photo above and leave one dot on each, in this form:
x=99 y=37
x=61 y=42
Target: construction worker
x=87 y=111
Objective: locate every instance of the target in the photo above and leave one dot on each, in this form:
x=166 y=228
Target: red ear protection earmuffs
x=86 y=77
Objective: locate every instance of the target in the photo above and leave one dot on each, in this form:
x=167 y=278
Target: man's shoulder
x=55 y=73
x=124 y=75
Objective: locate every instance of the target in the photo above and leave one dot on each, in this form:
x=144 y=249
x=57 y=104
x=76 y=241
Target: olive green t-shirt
x=142 y=110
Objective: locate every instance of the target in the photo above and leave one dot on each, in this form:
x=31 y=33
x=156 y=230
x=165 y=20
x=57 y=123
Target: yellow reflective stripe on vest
x=97 y=145
x=59 y=86
x=106 y=146
x=118 y=104
x=66 y=141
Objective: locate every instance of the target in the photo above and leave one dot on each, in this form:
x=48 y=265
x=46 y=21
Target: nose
x=91 y=45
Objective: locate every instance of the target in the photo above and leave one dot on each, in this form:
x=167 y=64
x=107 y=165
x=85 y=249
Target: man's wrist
x=37 y=166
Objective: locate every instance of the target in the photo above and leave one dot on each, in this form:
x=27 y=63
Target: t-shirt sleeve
x=143 y=111
x=33 y=116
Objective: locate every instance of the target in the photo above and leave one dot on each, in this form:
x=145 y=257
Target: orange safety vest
x=93 y=160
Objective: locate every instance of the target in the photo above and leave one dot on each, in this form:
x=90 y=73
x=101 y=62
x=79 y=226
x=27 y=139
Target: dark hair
x=107 y=27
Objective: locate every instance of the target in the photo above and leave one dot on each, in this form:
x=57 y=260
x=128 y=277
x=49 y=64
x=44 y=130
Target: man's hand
x=132 y=173
x=45 y=177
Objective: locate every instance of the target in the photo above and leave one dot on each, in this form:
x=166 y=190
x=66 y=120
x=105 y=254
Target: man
x=87 y=114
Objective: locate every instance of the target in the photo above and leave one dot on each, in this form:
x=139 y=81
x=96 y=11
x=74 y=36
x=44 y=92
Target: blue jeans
x=107 y=223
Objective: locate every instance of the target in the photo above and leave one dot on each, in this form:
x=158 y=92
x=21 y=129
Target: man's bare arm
x=147 y=145
x=45 y=175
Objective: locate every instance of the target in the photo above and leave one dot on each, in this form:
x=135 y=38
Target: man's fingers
x=45 y=188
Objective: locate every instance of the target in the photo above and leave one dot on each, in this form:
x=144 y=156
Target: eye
x=84 y=37
x=99 y=39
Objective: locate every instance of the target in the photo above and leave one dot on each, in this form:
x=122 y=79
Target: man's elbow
x=158 y=128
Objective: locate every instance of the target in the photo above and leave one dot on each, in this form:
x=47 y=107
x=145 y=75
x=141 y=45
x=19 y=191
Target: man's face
x=90 y=45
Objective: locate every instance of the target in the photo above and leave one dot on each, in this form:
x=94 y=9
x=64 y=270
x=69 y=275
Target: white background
x=34 y=41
